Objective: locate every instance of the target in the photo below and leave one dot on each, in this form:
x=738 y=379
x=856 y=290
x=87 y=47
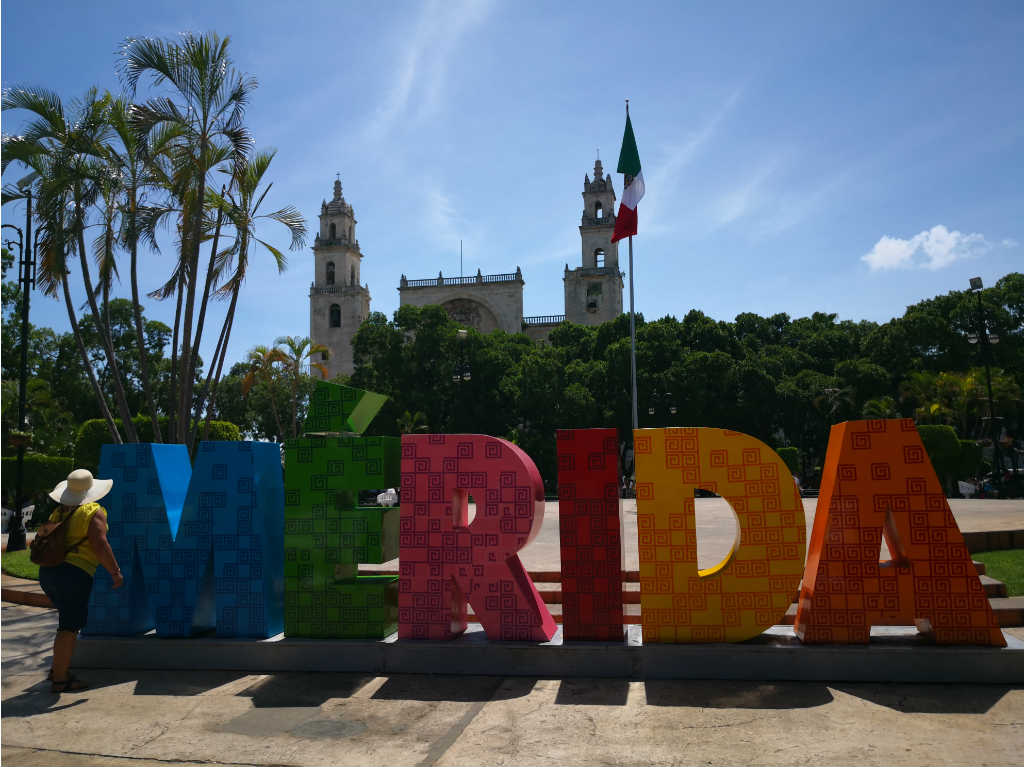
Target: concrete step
x=1009 y=611
x=993 y=588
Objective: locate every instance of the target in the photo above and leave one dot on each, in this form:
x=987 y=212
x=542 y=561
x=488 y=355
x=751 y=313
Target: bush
x=943 y=449
x=94 y=433
x=42 y=472
x=791 y=456
x=970 y=459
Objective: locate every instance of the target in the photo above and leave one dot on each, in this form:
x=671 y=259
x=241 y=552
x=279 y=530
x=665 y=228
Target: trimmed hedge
x=42 y=473
x=943 y=448
x=970 y=464
x=94 y=433
x=791 y=456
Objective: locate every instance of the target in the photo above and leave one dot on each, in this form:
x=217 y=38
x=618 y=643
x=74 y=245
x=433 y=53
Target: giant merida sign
x=234 y=544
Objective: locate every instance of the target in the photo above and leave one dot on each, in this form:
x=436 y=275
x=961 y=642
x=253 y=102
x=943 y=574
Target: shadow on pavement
x=37 y=700
x=294 y=689
x=593 y=692
x=726 y=694
x=930 y=698
x=463 y=689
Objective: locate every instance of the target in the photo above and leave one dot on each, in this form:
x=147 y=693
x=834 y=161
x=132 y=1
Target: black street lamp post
x=986 y=340
x=26 y=278
x=461 y=372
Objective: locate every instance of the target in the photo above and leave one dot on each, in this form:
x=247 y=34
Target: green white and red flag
x=633 y=191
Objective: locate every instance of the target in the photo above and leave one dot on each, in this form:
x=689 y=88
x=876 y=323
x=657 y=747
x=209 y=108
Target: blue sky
x=850 y=158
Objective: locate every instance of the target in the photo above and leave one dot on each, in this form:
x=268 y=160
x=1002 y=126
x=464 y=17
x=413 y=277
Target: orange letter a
x=878 y=480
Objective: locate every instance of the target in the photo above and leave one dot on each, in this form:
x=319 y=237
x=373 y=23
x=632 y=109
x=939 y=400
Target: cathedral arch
x=330 y=272
x=599 y=258
x=472 y=313
x=598 y=210
x=352 y=275
x=335 y=316
x=334 y=231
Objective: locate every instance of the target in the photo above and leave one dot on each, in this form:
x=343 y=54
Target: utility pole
x=986 y=340
x=26 y=279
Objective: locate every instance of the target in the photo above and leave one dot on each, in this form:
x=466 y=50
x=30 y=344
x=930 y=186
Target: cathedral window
x=598 y=211
x=334 y=232
x=350 y=233
x=599 y=258
x=330 y=271
x=335 y=316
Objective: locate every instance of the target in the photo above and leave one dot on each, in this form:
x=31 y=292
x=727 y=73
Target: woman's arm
x=100 y=544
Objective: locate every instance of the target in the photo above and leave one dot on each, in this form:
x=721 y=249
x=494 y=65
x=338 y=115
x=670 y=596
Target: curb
x=21 y=597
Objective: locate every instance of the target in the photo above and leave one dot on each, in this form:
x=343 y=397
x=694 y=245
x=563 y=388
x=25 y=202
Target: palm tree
x=211 y=100
x=62 y=154
x=241 y=202
x=139 y=166
x=262 y=361
x=296 y=353
x=411 y=423
x=832 y=401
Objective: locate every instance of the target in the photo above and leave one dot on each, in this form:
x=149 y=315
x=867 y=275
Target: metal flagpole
x=632 y=336
x=632 y=320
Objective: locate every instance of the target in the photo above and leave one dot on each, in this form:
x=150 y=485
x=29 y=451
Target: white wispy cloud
x=417 y=81
x=743 y=198
x=442 y=225
x=665 y=182
x=933 y=248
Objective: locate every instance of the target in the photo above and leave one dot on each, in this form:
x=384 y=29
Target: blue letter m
x=199 y=548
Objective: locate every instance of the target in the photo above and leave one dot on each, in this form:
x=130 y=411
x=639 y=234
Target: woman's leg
x=63 y=649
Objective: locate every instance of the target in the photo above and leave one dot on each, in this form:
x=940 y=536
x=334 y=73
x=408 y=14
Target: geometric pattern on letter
x=199 y=548
x=335 y=408
x=753 y=586
x=445 y=562
x=327 y=536
x=590 y=533
x=877 y=480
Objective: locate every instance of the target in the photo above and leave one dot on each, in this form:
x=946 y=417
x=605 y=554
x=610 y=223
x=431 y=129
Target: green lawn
x=18 y=564
x=1006 y=566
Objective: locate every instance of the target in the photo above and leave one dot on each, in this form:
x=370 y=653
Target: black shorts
x=68 y=587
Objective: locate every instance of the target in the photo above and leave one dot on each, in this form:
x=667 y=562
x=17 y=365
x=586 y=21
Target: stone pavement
x=215 y=718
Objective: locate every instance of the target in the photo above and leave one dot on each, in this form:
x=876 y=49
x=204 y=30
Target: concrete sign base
x=895 y=654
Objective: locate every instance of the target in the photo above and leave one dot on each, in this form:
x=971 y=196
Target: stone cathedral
x=338 y=303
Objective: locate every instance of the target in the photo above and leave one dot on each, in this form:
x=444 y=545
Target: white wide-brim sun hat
x=80 y=487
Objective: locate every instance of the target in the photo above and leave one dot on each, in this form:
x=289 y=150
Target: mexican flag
x=629 y=165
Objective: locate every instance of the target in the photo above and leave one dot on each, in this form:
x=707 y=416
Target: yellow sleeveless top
x=77 y=528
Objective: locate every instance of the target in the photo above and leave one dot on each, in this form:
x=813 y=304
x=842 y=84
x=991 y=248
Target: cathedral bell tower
x=338 y=304
x=593 y=291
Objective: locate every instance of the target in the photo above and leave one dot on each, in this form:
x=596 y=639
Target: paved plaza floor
x=131 y=717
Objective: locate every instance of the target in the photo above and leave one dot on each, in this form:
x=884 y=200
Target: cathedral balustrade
x=331 y=290
x=608 y=220
x=544 y=319
x=326 y=242
x=454 y=281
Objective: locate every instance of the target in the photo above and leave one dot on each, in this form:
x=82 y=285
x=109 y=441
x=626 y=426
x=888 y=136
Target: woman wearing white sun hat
x=69 y=584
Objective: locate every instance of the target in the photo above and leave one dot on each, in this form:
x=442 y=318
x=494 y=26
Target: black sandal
x=71 y=684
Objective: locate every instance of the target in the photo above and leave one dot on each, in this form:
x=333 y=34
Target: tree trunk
x=229 y=322
x=104 y=410
x=172 y=405
x=104 y=332
x=202 y=321
x=140 y=339
x=206 y=395
x=188 y=353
